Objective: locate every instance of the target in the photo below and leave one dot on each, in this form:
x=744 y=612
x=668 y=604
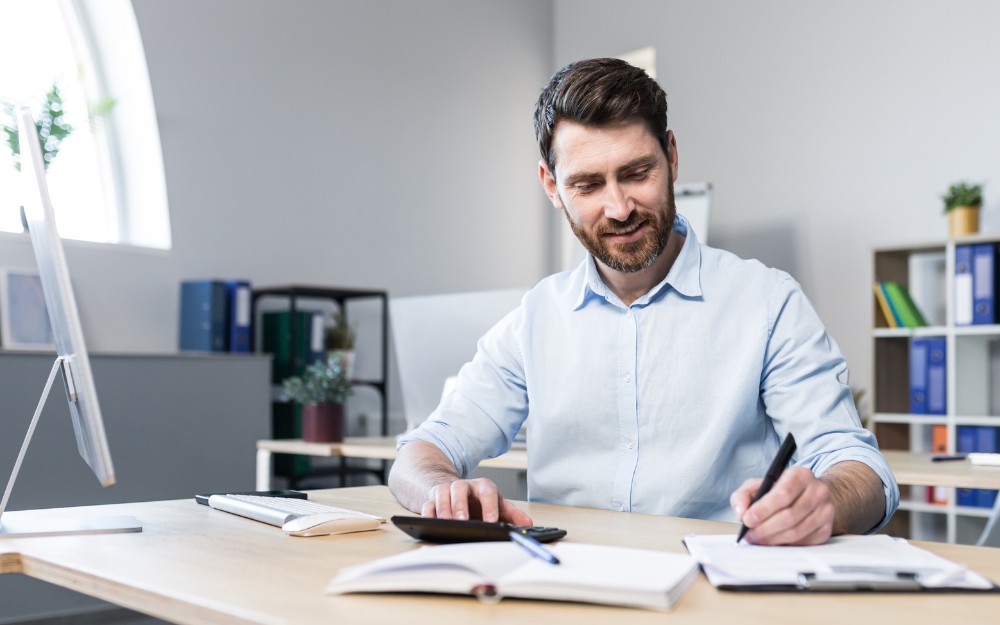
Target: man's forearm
x=858 y=498
x=419 y=467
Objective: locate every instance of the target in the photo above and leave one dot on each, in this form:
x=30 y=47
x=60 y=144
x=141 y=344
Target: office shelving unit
x=970 y=352
x=292 y=298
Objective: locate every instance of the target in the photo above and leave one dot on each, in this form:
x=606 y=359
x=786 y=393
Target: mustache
x=618 y=226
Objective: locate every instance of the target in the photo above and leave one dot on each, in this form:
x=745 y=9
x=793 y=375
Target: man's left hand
x=798 y=510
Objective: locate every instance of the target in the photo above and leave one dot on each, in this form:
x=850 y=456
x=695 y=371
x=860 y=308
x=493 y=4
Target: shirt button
x=630 y=444
x=621 y=507
x=628 y=377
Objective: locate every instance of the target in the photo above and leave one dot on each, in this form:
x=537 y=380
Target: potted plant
x=321 y=389
x=962 y=203
x=339 y=342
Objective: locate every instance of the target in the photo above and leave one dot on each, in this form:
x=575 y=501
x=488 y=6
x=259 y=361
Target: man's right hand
x=425 y=481
x=477 y=498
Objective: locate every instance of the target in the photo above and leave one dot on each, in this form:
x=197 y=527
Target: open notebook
x=620 y=576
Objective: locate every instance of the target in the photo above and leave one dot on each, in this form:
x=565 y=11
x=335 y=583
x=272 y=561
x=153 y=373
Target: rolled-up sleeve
x=805 y=389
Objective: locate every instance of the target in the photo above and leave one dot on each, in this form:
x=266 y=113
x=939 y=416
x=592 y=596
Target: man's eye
x=639 y=175
x=584 y=187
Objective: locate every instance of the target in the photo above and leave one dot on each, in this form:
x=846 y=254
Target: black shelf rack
x=291 y=295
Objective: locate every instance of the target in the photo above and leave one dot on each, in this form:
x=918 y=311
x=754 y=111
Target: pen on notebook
x=533 y=547
x=772 y=475
x=947 y=458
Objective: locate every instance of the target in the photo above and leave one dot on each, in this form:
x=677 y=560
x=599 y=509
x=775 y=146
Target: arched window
x=104 y=188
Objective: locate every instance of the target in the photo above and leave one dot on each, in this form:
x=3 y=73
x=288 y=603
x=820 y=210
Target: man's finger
x=460 y=500
x=512 y=514
x=489 y=505
x=740 y=500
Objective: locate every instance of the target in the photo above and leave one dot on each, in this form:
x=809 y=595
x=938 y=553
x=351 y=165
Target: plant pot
x=323 y=423
x=963 y=221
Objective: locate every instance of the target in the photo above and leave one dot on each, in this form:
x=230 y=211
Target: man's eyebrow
x=647 y=160
x=642 y=161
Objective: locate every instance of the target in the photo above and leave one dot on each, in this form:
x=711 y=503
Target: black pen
x=947 y=458
x=533 y=547
x=772 y=475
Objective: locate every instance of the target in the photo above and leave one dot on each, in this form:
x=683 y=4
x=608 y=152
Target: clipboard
x=855 y=564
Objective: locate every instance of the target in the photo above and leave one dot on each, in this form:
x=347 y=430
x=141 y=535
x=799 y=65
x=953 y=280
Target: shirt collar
x=684 y=275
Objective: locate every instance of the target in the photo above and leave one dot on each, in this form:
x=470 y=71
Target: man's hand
x=798 y=510
x=471 y=499
x=423 y=480
x=802 y=509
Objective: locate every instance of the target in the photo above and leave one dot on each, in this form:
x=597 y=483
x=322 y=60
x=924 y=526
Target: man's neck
x=631 y=286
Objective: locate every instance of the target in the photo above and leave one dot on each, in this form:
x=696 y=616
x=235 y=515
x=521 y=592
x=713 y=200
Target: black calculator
x=454 y=531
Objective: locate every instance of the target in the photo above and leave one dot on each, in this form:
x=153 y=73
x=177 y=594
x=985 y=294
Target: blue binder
x=238 y=313
x=966 y=443
x=918 y=375
x=984 y=276
x=203 y=316
x=986 y=442
x=937 y=400
x=963 y=285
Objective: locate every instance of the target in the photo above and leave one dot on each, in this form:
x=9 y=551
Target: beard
x=637 y=255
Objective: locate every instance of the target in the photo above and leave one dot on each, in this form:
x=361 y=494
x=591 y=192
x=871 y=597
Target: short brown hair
x=598 y=92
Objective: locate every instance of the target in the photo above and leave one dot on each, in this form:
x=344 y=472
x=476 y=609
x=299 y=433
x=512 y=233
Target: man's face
x=615 y=185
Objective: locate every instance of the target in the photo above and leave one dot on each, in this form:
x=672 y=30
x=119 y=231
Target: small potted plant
x=322 y=390
x=962 y=203
x=339 y=342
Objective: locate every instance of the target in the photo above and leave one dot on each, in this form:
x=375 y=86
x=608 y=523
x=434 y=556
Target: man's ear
x=672 y=155
x=549 y=184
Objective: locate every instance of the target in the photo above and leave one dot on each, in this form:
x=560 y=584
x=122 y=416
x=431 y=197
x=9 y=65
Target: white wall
x=826 y=128
x=379 y=144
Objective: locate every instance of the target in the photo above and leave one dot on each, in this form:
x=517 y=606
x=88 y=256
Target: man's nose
x=617 y=204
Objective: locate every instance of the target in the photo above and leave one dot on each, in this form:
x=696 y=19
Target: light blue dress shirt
x=662 y=407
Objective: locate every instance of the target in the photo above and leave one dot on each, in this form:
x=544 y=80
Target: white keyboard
x=280 y=510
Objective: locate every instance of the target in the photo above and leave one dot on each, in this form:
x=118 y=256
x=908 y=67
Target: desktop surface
x=193 y=564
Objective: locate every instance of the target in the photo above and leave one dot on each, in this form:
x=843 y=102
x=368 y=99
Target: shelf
x=971 y=396
x=293 y=298
x=891 y=333
x=922 y=506
x=979 y=330
x=910 y=419
x=902 y=333
x=936 y=508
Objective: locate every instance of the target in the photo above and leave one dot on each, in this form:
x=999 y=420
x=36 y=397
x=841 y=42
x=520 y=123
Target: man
x=661 y=375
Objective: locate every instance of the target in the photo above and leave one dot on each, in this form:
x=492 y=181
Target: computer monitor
x=71 y=354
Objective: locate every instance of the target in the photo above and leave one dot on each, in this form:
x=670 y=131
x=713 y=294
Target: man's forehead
x=584 y=146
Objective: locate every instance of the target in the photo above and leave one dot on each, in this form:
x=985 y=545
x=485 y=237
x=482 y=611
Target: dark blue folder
x=203 y=316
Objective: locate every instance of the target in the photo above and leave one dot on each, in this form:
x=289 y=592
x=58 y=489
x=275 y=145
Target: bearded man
x=659 y=376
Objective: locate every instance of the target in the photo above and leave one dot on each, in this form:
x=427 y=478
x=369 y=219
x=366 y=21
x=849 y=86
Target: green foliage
x=322 y=382
x=963 y=194
x=340 y=335
x=861 y=404
x=51 y=125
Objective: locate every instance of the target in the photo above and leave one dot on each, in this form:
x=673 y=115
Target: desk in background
x=375 y=448
x=195 y=565
x=909 y=468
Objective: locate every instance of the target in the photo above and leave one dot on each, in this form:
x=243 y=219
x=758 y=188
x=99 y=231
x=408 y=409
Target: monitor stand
x=25 y=523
